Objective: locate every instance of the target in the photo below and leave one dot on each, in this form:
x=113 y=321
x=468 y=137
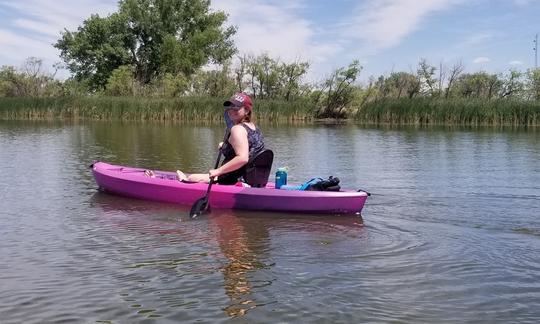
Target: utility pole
x=535 y=48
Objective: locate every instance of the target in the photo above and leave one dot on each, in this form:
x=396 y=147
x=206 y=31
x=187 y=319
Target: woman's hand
x=214 y=173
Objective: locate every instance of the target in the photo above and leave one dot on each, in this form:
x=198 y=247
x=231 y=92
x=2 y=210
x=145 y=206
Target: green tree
x=240 y=72
x=11 y=84
x=292 y=75
x=29 y=81
x=154 y=37
x=473 y=85
x=382 y=91
x=454 y=74
x=73 y=87
x=269 y=78
x=121 y=82
x=494 y=84
x=174 y=85
x=401 y=84
x=533 y=84
x=426 y=75
x=264 y=76
x=512 y=85
x=214 y=83
x=339 y=91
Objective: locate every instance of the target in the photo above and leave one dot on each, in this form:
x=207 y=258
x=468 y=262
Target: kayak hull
x=164 y=187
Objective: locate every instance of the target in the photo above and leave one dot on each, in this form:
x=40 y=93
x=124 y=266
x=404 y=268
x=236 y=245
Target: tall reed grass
x=420 y=111
x=137 y=108
x=430 y=111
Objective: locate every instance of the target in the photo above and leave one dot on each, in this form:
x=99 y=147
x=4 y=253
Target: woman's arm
x=240 y=144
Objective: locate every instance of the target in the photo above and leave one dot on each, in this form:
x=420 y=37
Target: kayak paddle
x=201 y=205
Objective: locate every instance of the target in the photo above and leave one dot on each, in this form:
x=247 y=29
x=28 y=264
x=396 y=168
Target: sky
x=384 y=35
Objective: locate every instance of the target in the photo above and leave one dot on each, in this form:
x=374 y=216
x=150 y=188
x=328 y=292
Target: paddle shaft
x=202 y=203
x=211 y=181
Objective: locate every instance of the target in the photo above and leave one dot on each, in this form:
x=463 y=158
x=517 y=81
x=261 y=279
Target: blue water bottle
x=281 y=177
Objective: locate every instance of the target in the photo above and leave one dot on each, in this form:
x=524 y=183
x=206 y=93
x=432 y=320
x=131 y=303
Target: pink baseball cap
x=239 y=100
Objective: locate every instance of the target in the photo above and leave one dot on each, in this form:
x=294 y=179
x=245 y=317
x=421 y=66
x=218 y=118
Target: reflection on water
x=450 y=233
x=242 y=242
x=242 y=250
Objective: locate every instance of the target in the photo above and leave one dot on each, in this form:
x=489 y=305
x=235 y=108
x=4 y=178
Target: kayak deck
x=165 y=187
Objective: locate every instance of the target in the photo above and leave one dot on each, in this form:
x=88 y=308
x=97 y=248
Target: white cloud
x=481 y=59
x=40 y=27
x=516 y=62
x=20 y=47
x=278 y=29
x=17 y=48
x=383 y=24
x=37 y=25
x=275 y=29
x=57 y=15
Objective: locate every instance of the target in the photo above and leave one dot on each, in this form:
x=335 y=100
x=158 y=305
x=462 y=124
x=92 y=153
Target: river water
x=450 y=234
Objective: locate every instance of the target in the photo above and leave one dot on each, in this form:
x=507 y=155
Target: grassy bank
x=428 y=111
x=136 y=108
x=422 y=111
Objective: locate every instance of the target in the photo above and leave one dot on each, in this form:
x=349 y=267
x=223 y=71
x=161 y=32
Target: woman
x=244 y=141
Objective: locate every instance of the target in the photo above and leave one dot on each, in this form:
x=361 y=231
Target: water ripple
x=450 y=233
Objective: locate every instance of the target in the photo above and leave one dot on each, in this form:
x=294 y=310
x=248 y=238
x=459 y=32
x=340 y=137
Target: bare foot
x=181 y=175
x=149 y=173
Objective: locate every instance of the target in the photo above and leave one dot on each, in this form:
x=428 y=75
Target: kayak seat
x=258 y=169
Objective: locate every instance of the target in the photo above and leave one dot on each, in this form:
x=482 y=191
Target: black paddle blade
x=199 y=207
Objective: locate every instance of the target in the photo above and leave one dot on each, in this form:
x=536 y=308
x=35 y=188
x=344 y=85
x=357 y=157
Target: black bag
x=330 y=184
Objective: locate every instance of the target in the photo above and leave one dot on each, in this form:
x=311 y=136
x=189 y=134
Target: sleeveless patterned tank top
x=255 y=140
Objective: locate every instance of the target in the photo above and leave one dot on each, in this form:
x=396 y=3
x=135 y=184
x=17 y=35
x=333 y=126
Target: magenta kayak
x=164 y=187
